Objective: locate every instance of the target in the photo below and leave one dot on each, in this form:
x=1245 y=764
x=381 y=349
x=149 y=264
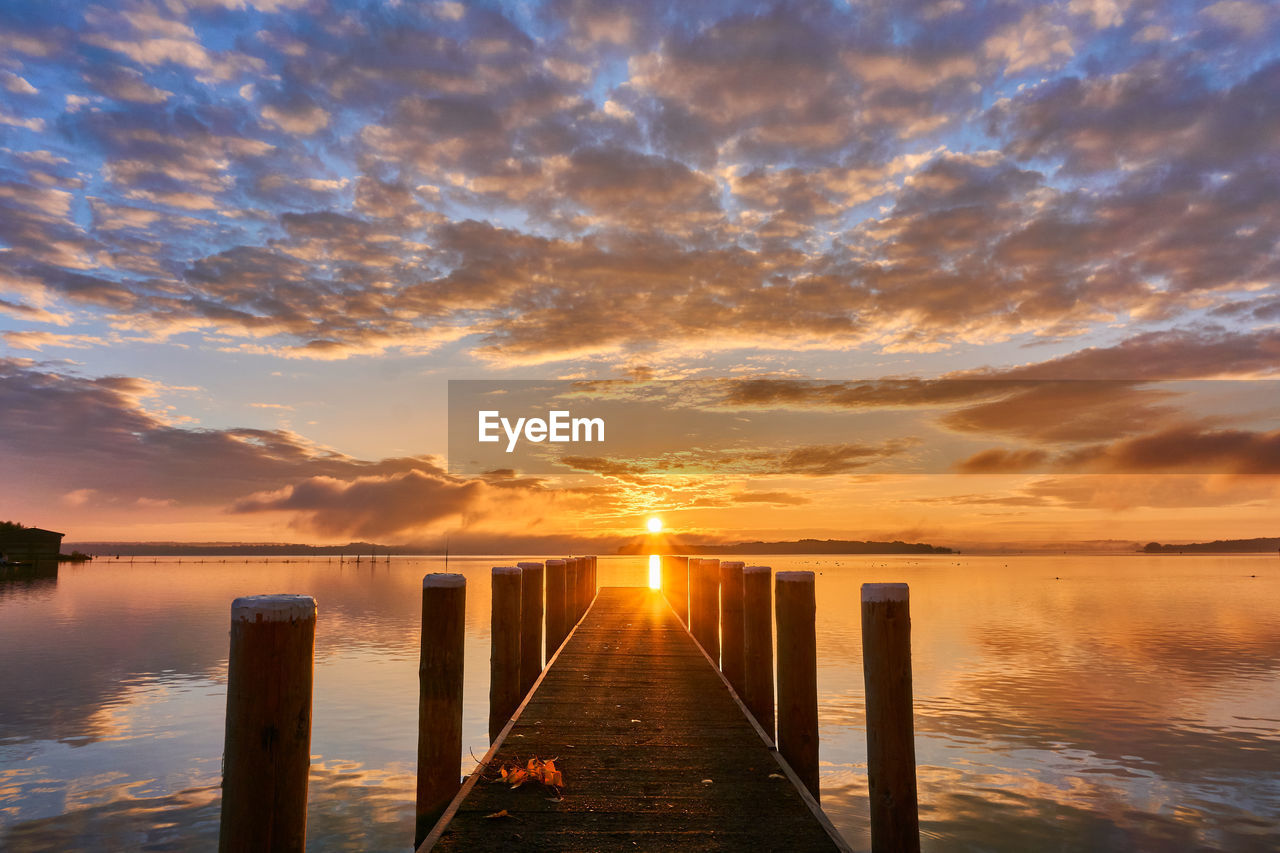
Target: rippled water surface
x=1062 y=703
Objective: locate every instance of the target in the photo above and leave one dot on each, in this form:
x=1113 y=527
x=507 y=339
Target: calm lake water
x=1062 y=703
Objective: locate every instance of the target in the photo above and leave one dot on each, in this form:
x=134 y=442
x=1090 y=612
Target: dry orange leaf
x=502 y=813
x=535 y=770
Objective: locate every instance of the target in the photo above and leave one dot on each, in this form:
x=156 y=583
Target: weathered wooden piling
x=557 y=606
x=695 y=597
x=731 y=649
x=891 y=751
x=584 y=585
x=504 y=656
x=444 y=616
x=679 y=596
x=572 y=588
x=757 y=645
x=531 y=591
x=267 y=752
x=798 y=675
x=704 y=605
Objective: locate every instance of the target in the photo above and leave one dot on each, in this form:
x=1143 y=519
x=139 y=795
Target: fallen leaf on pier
x=534 y=770
x=776 y=776
x=502 y=813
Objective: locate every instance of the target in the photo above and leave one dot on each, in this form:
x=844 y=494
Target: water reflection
x=34 y=579
x=1061 y=703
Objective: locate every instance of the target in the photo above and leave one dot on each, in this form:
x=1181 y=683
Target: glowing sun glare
x=654 y=525
x=655 y=571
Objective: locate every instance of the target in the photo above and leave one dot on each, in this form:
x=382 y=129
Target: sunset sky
x=244 y=244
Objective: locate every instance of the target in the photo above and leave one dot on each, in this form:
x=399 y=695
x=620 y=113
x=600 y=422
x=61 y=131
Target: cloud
x=895 y=182
x=1158 y=110
x=1203 y=353
x=775 y=498
x=123 y=83
x=1240 y=15
x=824 y=460
x=997 y=461
x=1069 y=411
x=370 y=506
x=40 y=340
x=1117 y=492
x=627 y=472
x=1035 y=41
x=111 y=441
x=816 y=460
x=148 y=37
x=17 y=84
x=298 y=115
x=1186 y=448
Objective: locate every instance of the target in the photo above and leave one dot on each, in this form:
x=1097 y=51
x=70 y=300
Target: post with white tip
x=530 y=624
x=267 y=753
x=504 y=659
x=891 y=748
x=798 y=675
x=444 y=616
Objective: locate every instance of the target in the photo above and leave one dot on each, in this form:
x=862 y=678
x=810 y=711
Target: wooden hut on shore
x=20 y=544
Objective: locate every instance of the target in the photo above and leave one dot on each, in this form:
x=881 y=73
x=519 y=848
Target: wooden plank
x=656 y=752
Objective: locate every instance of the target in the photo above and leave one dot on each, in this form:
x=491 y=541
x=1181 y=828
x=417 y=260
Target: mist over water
x=1073 y=703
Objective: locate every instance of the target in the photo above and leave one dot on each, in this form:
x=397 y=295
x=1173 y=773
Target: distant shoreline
x=804 y=547
x=1268 y=545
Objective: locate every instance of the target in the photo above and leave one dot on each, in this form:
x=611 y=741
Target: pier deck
x=656 y=753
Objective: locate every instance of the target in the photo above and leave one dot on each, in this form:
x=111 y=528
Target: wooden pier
x=653 y=745
x=656 y=752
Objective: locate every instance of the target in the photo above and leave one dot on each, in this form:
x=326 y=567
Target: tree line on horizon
x=1218 y=546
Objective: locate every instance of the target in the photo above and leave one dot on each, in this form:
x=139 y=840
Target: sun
x=654 y=524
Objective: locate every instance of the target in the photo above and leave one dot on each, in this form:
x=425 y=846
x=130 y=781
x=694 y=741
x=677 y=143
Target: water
x=1062 y=703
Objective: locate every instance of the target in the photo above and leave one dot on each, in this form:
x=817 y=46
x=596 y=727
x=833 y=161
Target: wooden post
x=267 y=753
x=757 y=645
x=731 y=623
x=594 y=586
x=798 y=675
x=444 y=618
x=680 y=588
x=504 y=657
x=571 y=589
x=584 y=579
x=704 y=609
x=891 y=746
x=695 y=597
x=530 y=624
x=557 y=614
